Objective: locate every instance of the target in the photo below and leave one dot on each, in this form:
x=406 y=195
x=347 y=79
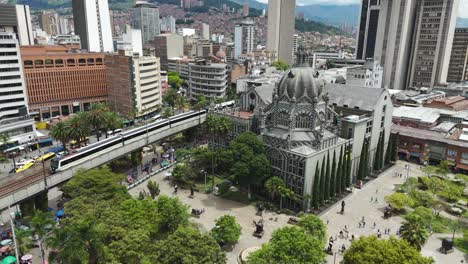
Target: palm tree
x=41 y=222
x=96 y=117
x=80 y=243
x=112 y=121
x=79 y=127
x=23 y=241
x=273 y=185
x=61 y=132
x=181 y=103
x=414 y=231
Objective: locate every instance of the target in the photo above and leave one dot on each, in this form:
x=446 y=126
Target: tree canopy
x=226 y=230
x=290 y=245
x=371 y=250
x=280 y=65
x=100 y=182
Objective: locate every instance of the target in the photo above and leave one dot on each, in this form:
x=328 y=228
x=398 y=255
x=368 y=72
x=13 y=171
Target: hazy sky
x=463 y=10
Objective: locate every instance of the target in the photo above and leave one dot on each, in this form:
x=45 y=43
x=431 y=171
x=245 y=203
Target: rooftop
x=420 y=114
x=350 y=96
x=427 y=135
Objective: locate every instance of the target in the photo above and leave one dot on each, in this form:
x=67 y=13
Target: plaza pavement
x=358 y=204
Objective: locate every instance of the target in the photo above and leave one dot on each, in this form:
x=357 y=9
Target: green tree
x=182 y=103
x=174 y=80
x=79 y=127
x=314 y=226
x=429 y=170
x=348 y=175
x=371 y=250
x=187 y=246
x=443 y=169
x=425 y=215
x=414 y=231
x=333 y=177
x=183 y=173
x=379 y=152
x=61 y=132
x=388 y=152
x=226 y=230
x=112 y=121
x=290 y=245
x=23 y=240
x=363 y=161
x=339 y=172
x=327 y=188
x=273 y=186
x=201 y=103
x=280 y=65
x=42 y=224
x=97 y=182
x=172 y=213
x=153 y=189
x=251 y=165
x=323 y=175
x=217 y=127
x=167 y=112
x=316 y=187
x=170 y=97
x=97 y=117
x=398 y=200
x=421 y=198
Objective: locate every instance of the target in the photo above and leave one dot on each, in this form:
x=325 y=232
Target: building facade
x=93 y=25
x=432 y=42
x=168 y=24
x=134 y=83
x=205 y=31
x=367 y=75
x=49 y=22
x=15 y=122
x=208 y=79
x=304 y=122
x=168 y=46
x=244 y=38
x=145 y=17
x=281 y=20
x=60 y=81
x=458 y=70
x=17 y=19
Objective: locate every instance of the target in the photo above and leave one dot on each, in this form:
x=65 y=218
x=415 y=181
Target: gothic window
x=303 y=121
x=283 y=119
x=276 y=159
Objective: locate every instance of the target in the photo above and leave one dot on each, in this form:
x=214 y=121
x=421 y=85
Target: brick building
x=61 y=80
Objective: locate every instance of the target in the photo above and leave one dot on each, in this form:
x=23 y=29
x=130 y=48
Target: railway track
x=14 y=185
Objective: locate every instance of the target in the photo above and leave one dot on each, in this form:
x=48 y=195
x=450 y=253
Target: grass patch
x=200 y=184
x=462 y=242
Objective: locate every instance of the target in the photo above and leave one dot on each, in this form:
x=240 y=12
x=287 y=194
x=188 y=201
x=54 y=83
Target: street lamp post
x=14 y=236
x=204 y=172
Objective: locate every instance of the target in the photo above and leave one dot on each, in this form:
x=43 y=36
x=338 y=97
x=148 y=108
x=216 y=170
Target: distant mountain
x=462 y=22
x=252 y=4
x=331 y=14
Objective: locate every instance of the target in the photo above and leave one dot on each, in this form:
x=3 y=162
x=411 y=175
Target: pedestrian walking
x=376 y=200
x=364 y=224
x=371 y=199
x=374 y=225
x=379 y=235
x=360 y=224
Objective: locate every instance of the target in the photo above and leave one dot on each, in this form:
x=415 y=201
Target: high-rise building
x=368 y=75
x=208 y=79
x=168 y=46
x=205 y=31
x=394 y=43
x=412 y=40
x=14 y=115
x=245 y=9
x=281 y=19
x=145 y=17
x=17 y=19
x=92 y=24
x=82 y=80
x=244 y=38
x=295 y=45
x=49 y=22
x=432 y=42
x=368 y=27
x=458 y=70
x=134 y=83
x=168 y=24
x=130 y=41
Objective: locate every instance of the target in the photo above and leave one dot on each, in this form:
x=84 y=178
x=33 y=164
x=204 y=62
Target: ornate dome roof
x=300 y=82
x=221 y=54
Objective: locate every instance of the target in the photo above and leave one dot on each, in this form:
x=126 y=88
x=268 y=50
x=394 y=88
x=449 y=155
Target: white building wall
x=24 y=25
x=237 y=41
x=147 y=74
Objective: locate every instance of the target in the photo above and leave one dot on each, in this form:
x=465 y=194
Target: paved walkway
x=358 y=204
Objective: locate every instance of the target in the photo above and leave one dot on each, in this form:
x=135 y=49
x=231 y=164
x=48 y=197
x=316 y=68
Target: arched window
x=276 y=160
x=283 y=119
x=303 y=121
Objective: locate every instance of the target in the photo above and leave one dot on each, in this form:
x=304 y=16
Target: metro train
x=58 y=164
